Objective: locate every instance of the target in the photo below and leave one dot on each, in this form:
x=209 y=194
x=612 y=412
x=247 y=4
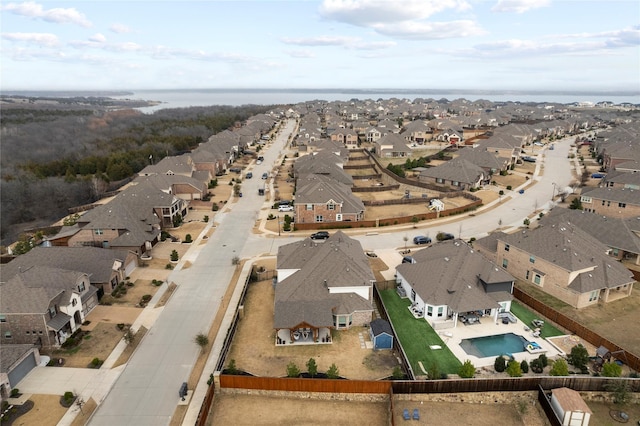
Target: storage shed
x=381 y=334
x=570 y=407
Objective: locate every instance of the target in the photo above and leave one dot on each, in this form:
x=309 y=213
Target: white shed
x=570 y=407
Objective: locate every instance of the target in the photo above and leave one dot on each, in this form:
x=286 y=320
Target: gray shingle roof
x=458 y=169
x=619 y=195
x=316 y=189
x=447 y=274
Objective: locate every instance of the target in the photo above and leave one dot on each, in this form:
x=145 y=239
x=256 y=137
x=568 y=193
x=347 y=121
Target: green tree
x=536 y=366
x=620 y=391
x=559 y=368
x=292 y=370
x=579 y=357
x=524 y=366
x=544 y=361
x=333 y=372
x=231 y=368
x=611 y=369
x=500 y=364
x=397 y=373
x=576 y=204
x=202 y=340
x=312 y=367
x=174 y=256
x=467 y=370
x=514 y=369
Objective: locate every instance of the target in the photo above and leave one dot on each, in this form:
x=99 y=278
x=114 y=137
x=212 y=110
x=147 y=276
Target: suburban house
x=105 y=268
x=620 y=235
x=451 y=282
x=16 y=361
x=451 y=136
x=612 y=202
x=372 y=134
x=322 y=163
x=458 y=173
x=187 y=188
x=392 y=145
x=489 y=161
x=565 y=262
x=321 y=286
x=418 y=132
x=43 y=306
x=621 y=180
x=321 y=199
x=348 y=137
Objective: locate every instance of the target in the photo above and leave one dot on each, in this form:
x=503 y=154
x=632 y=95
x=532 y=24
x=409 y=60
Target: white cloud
x=57 y=15
x=519 y=6
x=431 y=30
x=120 y=29
x=369 y=12
x=320 y=41
x=40 y=39
x=98 y=38
x=301 y=54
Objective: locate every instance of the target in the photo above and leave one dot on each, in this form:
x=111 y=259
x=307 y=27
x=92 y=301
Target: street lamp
x=553 y=194
x=278 y=218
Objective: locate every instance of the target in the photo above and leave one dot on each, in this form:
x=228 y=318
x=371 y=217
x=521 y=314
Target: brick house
x=321 y=286
x=612 y=202
x=565 y=262
x=44 y=306
x=320 y=199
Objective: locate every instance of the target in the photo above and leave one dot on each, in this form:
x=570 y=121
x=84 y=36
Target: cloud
x=40 y=39
x=320 y=41
x=98 y=38
x=57 y=15
x=301 y=54
x=365 y=13
x=519 y=6
x=431 y=30
x=120 y=29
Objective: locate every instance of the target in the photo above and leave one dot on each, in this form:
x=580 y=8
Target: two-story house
x=612 y=202
x=321 y=199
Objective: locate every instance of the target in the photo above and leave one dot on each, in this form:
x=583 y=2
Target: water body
x=183 y=98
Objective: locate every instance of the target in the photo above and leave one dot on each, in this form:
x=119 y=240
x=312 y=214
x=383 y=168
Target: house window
x=98 y=232
x=3 y=318
x=593 y=295
x=319 y=218
x=622 y=205
x=615 y=252
x=526 y=276
x=309 y=206
x=537 y=279
x=603 y=202
x=585 y=200
x=74 y=302
x=52 y=311
x=331 y=206
x=440 y=311
x=81 y=287
x=413 y=295
x=506 y=247
x=532 y=259
x=429 y=311
x=455 y=183
x=608 y=203
x=7 y=335
x=505 y=263
x=27 y=332
x=439 y=180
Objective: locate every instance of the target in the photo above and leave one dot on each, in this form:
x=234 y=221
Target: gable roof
x=450 y=273
x=319 y=189
x=457 y=170
x=619 y=195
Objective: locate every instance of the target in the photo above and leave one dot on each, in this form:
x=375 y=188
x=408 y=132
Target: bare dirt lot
x=254 y=348
x=46 y=411
x=97 y=343
x=274 y=411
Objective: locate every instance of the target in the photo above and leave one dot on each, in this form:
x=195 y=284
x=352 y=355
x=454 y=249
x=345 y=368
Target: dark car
x=249 y=175
x=265 y=175
x=320 y=235
x=408 y=259
x=444 y=236
x=421 y=239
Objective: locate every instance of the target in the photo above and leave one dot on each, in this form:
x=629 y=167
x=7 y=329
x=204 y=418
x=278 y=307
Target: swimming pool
x=499 y=344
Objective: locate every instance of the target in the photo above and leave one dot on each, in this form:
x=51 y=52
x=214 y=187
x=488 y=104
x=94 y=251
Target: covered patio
x=303 y=335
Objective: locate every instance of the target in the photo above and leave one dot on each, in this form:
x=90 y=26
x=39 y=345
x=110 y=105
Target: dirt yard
x=254 y=348
x=46 y=411
x=98 y=343
x=226 y=409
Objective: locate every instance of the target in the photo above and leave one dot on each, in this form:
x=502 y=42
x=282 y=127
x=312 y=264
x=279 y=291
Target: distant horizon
x=370 y=90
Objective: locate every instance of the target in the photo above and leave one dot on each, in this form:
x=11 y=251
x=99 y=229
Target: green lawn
x=416 y=335
x=526 y=316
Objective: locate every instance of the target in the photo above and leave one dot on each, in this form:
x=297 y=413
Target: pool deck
x=488 y=327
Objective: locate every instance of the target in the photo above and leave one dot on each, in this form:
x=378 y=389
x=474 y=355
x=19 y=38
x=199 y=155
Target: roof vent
x=446 y=259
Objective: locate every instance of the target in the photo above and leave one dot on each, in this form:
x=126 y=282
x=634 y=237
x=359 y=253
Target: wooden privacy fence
x=545 y=403
x=578 y=329
x=507 y=384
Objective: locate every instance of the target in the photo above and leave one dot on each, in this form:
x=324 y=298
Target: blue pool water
x=491 y=346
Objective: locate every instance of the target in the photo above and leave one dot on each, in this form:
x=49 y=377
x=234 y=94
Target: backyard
x=416 y=336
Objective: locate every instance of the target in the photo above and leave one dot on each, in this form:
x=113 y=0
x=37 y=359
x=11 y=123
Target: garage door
x=22 y=369
x=128 y=270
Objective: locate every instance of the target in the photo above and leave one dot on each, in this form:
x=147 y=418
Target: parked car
x=528 y=159
x=248 y=175
x=285 y=208
x=598 y=175
x=408 y=259
x=444 y=236
x=421 y=239
x=320 y=235
x=265 y=175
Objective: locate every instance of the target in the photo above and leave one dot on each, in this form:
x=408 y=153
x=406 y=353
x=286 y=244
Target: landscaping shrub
x=467 y=370
x=205 y=219
x=396 y=375
x=513 y=369
x=312 y=367
x=500 y=364
x=187 y=239
x=524 y=366
x=70 y=343
x=96 y=363
x=579 y=357
x=334 y=373
x=292 y=370
x=559 y=368
x=174 y=256
x=611 y=369
x=536 y=366
x=15 y=392
x=544 y=361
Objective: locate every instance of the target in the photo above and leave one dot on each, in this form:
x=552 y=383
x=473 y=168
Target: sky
x=569 y=45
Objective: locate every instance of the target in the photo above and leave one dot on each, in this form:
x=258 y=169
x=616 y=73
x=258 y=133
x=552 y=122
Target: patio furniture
x=416 y=414
x=405 y=414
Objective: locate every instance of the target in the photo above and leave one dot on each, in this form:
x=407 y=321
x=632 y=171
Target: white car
x=285 y=208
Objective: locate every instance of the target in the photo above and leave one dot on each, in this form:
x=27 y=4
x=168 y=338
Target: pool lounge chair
x=416 y=414
x=405 y=414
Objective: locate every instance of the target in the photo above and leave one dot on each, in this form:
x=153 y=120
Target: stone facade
x=26 y=329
